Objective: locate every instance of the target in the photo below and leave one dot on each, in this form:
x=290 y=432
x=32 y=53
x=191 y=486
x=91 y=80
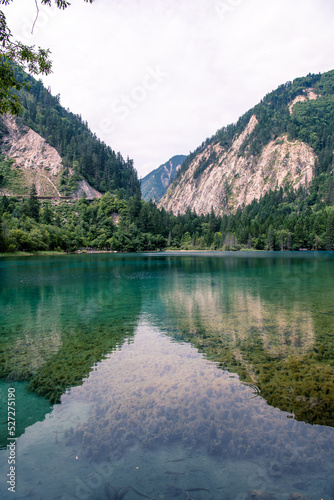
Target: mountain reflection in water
x=179 y=376
x=157 y=419
x=269 y=320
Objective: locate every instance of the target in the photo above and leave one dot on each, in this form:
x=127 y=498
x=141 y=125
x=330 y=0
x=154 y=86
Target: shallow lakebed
x=186 y=376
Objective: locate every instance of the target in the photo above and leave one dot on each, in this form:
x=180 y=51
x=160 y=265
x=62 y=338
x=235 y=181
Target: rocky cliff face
x=227 y=179
x=39 y=163
x=36 y=162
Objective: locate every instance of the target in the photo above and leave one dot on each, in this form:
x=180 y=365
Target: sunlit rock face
x=39 y=163
x=36 y=162
x=232 y=179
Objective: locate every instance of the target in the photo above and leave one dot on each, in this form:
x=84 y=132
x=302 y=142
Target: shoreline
x=168 y=250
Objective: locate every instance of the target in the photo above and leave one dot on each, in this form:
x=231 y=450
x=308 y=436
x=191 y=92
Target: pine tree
x=329 y=238
x=47 y=214
x=3 y=242
x=34 y=204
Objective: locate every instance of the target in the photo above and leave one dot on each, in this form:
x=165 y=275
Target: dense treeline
x=281 y=220
x=79 y=148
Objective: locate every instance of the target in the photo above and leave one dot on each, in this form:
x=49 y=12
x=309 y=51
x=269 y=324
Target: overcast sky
x=155 y=78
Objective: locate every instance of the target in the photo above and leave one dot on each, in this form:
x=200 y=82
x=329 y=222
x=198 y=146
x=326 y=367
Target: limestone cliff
x=35 y=162
x=232 y=180
x=285 y=141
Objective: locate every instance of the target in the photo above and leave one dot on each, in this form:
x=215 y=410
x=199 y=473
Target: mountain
x=285 y=141
x=28 y=159
x=155 y=184
x=279 y=155
x=55 y=149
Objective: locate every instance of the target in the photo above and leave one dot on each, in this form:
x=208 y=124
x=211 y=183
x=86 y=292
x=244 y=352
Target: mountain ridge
x=284 y=141
x=155 y=183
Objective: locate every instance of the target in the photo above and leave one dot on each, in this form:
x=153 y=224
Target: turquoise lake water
x=169 y=376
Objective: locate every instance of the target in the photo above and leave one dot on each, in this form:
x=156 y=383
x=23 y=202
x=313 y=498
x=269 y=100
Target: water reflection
x=156 y=419
x=234 y=313
x=151 y=416
x=60 y=316
x=269 y=320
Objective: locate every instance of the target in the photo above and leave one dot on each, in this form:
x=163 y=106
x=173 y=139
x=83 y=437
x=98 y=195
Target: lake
x=168 y=376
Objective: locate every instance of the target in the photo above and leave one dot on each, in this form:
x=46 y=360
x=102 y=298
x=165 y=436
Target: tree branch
x=33 y=26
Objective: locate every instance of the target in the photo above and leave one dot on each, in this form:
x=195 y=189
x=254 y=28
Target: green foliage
x=79 y=148
x=313 y=123
x=325 y=85
x=16 y=54
x=34 y=204
x=282 y=220
x=11 y=176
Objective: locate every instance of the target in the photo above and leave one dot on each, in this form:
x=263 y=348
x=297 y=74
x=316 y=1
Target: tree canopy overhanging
x=16 y=54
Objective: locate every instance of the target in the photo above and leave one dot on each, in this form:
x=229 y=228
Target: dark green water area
x=169 y=376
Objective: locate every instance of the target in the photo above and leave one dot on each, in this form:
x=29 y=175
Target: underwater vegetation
x=60 y=319
x=75 y=360
x=268 y=320
x=302 y=385
x=179 y=371
x=67 y=358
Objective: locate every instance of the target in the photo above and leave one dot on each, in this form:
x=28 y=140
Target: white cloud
x=216 y=59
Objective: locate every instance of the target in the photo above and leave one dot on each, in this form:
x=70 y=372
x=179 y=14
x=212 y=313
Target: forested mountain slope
x=155 y=184
x=29 y=160
x=292 y=128
x=83 y=156
x=283 y=142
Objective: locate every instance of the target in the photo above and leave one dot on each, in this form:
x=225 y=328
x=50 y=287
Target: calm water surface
x=186 y=376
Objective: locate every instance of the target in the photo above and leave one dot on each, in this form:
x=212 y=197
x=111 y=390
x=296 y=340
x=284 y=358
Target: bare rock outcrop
x=85 y=189
x=39 y=162
x=309 y=95
x=36 y=162
x=231 y=179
